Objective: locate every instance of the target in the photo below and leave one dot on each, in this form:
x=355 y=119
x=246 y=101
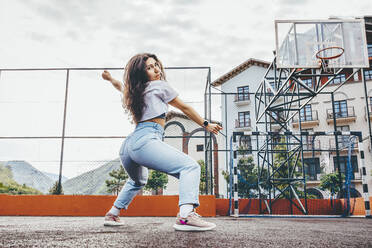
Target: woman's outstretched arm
x=193 y=115
x=116 y=83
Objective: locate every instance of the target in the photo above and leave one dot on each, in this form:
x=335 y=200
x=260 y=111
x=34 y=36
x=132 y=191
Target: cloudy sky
x=95 y=33
x=92 y=33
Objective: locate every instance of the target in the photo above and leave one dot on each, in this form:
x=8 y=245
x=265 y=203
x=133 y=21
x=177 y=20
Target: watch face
x=205 y=123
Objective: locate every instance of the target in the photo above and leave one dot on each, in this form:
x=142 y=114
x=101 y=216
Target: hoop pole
x=364 y=177
x=235 y=177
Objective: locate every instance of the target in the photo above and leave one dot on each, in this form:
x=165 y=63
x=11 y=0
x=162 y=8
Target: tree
x=56 y=189
x=331 y=182
x=247 y=178
x=286 y=165
x=157 y=181
x=203 y=178
x=119 y=178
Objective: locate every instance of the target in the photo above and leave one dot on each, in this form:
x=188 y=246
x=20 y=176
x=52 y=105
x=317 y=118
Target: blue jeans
x=145 y=149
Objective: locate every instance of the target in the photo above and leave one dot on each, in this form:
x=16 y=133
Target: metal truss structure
x=281 y=96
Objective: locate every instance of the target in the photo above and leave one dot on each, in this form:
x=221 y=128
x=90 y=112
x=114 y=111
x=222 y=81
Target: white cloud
x=94 y=33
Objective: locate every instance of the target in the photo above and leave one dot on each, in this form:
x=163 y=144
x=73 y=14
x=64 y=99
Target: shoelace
x=194 y=213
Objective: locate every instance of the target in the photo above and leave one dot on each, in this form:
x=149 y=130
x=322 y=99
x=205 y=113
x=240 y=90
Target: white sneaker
x=193 y=222
x=112 y=220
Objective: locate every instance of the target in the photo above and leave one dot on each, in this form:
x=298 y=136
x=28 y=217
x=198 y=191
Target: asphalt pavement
x=18 y=231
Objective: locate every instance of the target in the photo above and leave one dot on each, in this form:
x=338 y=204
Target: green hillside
x=6 y=176
x=9 y=186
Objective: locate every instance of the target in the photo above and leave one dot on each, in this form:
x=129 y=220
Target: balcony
x=242 y=99
x=307 y=121
x=343 y=144
x=342 y=117
x=243 y=126
x=309 y=147
x=274 y=119
x=370 y=112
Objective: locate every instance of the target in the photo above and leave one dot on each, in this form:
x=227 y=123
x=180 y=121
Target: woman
x=146 y=98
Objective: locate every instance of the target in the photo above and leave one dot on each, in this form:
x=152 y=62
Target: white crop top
x=157 y=95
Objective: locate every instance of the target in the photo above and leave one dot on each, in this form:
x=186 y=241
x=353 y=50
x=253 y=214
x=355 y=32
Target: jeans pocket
x=141 y=141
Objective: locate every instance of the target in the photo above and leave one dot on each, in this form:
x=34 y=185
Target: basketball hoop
x=323 y=60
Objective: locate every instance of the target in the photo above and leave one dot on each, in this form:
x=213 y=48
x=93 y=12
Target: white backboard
x=298 y=42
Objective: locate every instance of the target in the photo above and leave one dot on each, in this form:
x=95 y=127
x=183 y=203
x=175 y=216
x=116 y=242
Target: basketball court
x=158 y=232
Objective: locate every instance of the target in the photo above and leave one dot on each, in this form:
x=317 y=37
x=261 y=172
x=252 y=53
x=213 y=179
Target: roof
x=240 y=68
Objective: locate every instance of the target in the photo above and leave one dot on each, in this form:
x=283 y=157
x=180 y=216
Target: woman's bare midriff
x=160 y=121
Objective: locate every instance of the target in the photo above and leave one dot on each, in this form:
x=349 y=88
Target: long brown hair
x=135 y=83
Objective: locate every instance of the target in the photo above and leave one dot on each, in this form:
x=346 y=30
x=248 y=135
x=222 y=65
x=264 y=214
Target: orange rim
x=331 y=57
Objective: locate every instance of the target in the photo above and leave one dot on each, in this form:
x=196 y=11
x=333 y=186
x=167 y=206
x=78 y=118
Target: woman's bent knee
x=194 y=166
x=138 y=183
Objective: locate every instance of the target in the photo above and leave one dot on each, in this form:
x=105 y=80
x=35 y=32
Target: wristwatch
x=205 y=123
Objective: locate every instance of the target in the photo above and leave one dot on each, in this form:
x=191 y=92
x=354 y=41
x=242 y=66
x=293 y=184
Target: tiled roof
x=240 y=68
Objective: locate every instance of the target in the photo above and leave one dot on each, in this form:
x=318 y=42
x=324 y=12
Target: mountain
x=9 y=186
x=25 y=173
x=91 y=182
x=54 y=177
x=6 y=176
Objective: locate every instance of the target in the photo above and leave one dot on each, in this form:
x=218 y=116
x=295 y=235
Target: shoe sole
x=189 y=228
x=112 y=223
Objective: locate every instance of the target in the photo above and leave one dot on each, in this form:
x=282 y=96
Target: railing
x=343 y=143
x=366 y=112
x=348 y=112
x=308 y=145
x=239 y=124
x=240 y=97
x=304 y=118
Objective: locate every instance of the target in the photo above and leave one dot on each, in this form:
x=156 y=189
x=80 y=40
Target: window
x=369 y=47
x=370 y=104
x=338 y=79
x=312 y=168
x=246 y=143
x=341 y=108
x=343 y=164
x=244 y=119
x=272 y=84
x=307 y=141
x=199 y=148
x=368 y=74
x=243 y=93
x=343 y=140
x=308 y=82
x=306 y=113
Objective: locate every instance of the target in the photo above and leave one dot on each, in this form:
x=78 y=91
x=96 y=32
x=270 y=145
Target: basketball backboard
x=298 y=42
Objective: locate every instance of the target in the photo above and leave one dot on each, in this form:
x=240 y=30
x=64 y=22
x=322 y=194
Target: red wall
x=161 y=205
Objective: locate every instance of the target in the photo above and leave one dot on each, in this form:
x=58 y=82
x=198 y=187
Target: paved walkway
x=158 y=232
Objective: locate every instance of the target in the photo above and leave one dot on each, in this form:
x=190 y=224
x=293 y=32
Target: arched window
x=315 y=192
x=353 y=193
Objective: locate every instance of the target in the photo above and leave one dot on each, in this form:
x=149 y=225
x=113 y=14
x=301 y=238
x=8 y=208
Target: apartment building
x=237 y=98
x=351 y=110
x=188 y=137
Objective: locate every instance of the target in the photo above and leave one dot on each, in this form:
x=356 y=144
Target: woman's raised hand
x=106 y=76
x=213 y=128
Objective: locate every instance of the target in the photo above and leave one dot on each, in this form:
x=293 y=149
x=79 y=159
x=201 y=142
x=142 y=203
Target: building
x=351 y=110
x=187 y=136
x=237 y=99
